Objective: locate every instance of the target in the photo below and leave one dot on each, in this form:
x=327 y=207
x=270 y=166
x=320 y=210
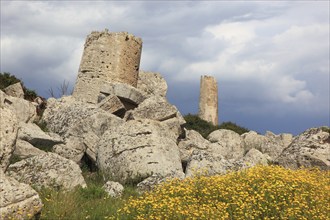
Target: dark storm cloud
x=271 y=59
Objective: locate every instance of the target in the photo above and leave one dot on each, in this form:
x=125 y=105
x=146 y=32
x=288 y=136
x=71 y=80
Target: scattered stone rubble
x=120 y=120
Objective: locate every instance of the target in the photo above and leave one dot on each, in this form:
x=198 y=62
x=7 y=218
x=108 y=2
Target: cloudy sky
x=271 y=59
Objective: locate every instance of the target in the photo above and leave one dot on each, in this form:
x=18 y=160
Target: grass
x=91 y=202
x=261 y=192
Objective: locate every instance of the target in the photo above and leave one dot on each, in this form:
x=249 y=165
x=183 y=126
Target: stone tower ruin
x=208 y=99
x=107 y=58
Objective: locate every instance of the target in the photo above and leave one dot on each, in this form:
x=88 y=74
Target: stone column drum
x=208 y=100
x=107 y=57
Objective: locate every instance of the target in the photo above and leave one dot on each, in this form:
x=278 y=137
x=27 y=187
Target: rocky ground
x=132 y=135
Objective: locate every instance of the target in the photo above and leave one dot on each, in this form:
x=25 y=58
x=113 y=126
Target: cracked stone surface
x=136 y=150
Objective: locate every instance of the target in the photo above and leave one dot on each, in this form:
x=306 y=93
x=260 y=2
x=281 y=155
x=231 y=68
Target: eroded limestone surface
x=107 y=57
x=208 y=100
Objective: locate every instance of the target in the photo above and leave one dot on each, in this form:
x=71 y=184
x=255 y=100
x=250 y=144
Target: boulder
x=271 y=144
x=90 y=129
x=152 y=84
x=226 y=143
x=80 y=124
x=192 y=141
x=137 y=149
x=283 y=139
x=112 y=104
x=8 y=134
x=32 y=133
x=47 y=170
x=204 y=163
x=61 y=114
x=155 y=108
x=25 y=111
x=153 y=181
x=74 y=149
x=25 y=150
x=18 y=200
x=130 y=96
x=309 y=149
x=114 y=189
x=15 y=90
x=252 y=158
x=175 y=125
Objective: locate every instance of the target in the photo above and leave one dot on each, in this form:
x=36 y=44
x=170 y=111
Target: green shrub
x=29 y=94
x=234 y=127
x=14 y=158
x=326 y=129
x=194 y=122
x=6 y=79
x=42 y=125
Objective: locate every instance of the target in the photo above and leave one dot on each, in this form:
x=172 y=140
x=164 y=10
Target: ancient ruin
x=208 y=99
x=119 y=122
x=108 y=57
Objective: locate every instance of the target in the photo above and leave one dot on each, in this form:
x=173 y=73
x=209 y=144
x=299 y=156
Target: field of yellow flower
x=261 y=192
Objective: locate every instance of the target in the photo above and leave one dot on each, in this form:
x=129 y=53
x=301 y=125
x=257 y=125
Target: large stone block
x=47 y=170
x=226 y=143
x=15 y=90
x=136 y=150
x=33 y=134
x=25 y=150
x=107 y=57
x=128 y=95
x=112 y=104
x=17 y=200
x=269 y=144
x=8 y=135
x=151 y=84
x=309 y=149
x=25 y=111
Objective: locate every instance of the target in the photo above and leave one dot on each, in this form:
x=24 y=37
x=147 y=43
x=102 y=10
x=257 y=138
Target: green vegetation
x=205 y=128
x=7 y=79
x=42 y=125
x=326 y=129
x=14 y=158
x=262 y=192
x=91 y=202
x=234 y=127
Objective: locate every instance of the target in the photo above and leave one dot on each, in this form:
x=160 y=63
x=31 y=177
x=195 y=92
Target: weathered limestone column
x=208 y=99
x=107 y=57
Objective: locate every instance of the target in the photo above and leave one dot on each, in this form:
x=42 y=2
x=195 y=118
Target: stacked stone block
x=107 y=58
x=208 y=100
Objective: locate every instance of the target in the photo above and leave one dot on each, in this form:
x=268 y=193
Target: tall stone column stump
x=107 y=57
x=208 y=99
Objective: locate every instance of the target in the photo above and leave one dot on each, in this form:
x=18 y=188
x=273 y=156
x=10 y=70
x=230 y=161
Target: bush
x=234 y=127
x=29 y=94
x=194 y=122
x=6 y=79
x=262 y=192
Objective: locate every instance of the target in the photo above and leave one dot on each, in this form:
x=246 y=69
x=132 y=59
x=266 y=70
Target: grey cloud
x=266 y=74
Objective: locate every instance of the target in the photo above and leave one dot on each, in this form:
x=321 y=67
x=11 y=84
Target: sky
x=270 y=58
